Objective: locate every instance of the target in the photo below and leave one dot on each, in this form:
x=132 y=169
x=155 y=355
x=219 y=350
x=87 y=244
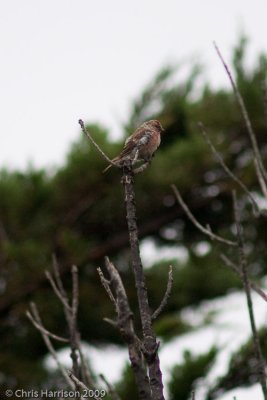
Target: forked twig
x=204 y=230
x=70 y=309
x=166 y=295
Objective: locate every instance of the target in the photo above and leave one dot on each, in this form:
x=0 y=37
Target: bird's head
x=155 y=124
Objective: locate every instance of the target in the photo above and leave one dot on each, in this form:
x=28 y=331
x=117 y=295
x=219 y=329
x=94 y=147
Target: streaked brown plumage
x=141 y=145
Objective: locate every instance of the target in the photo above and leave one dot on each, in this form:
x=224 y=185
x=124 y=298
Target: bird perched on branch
x=141 y=145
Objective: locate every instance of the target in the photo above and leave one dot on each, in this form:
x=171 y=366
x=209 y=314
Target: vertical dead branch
x=245 y=280
x=72 y=318
x=150 y=344
x=126 y=327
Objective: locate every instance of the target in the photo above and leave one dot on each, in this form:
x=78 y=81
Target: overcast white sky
x=62 y=60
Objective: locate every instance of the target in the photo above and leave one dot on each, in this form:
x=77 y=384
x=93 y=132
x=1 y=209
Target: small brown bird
x=141 y=145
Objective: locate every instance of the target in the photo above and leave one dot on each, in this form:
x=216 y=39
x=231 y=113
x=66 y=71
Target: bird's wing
x=137 y=140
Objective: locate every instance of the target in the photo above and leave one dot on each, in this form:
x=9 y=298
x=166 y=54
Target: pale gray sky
x=62 y=60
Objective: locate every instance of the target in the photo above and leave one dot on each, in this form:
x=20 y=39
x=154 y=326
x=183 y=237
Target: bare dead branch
x=111 y=322
x=106 y=285
x=219 y=158
x=229 y=263
x=49 y=345
x=166 y=295
x=57 y=291
x=259 y=166
x=70 y=312
x=80 y=385
x=264 y=95
x=71 y=317
x=85 y=370
x=112 y=391
x=149 y=344
x=89 y=136
x=75 y=291
x=58 y=278
x=206 y=231
x=77 y=382
x=245 y=281
x=123 y=308
x=126 y=326
x=44 y=330
x=141 y=169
